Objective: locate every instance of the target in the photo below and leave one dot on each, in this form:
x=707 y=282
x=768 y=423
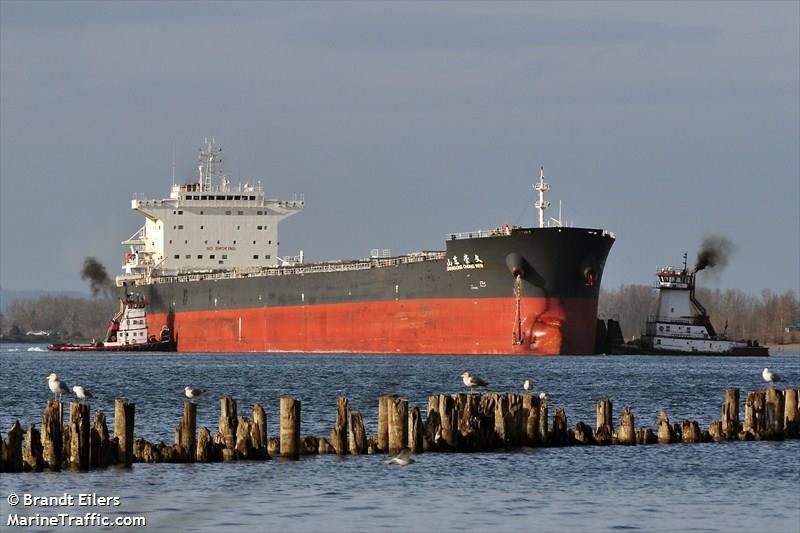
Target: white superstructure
x=207 y=225
x=681 y=323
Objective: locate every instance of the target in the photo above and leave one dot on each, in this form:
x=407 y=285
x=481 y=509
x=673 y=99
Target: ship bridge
x=207 y=225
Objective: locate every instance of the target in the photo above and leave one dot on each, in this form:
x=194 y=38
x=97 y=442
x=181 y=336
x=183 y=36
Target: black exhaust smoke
x=715 y=251
x=95 y=272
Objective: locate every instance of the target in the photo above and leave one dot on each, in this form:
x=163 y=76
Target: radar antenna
x=541 y=204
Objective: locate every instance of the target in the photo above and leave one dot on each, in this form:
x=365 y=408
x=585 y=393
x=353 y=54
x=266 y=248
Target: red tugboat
x=127 y=332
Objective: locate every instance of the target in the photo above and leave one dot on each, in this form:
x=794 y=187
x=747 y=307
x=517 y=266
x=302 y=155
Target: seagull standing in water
x=472 y=381
x=192 y=393
x=57 y=387
x=770 y=377
x=403 y=458
x=82 y=393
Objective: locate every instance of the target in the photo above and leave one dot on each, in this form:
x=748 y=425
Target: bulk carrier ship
x=207 y=262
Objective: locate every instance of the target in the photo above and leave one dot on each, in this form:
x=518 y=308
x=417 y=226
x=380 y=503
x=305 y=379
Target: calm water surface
x=703 y=487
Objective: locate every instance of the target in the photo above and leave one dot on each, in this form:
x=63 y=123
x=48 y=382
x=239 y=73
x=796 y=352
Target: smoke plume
x=98 y=278
x=715 y=251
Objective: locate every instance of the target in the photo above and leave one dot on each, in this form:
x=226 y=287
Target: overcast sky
x=402 y=122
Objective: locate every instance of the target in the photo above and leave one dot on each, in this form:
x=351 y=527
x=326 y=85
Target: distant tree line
x=63 y=317
x=763 y=318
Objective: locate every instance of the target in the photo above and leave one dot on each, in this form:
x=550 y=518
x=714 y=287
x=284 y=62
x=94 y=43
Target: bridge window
x=212 y=256
x=176 y=256
x=188 y=256
x=224 y=256
x=255 y=256
x=180 y=226
x=259 y=227
x=259 y=212
x=227 y=212
x=240 y=212
x=200 y=256
x=180 y=212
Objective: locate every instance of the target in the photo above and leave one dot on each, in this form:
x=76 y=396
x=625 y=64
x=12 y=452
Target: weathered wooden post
x=357 y=436
x=186 y=432
x=244 y=446
x=415 y=430
x=290 y=427
x=544 y=432
x=715 y=431
x=14 y=461
x=449 y=420
x=690 y=431
x=531 y=405
x=501 y=428
x=101 y=452
x=227 y=427
x=558 y=437
x=259 y=431
x=32 y=453
x=645 y=436
x=775 y=403
x=383 y=422
x=80 y=430
x=627 y=432
x=398 y=425
x=52 y=441
x=790 y=416
x=604 y=432
x=124 y=413
x=755 y=414
x=583 y=434
x=339 y=432
x=730 y=414
x=666 y=435
x=205 y=447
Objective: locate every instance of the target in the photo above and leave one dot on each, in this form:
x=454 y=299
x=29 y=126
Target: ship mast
x=541 y=204
x=210 y=163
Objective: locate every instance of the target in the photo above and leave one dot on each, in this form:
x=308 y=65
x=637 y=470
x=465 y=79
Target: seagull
x=403 y=458
x=526 y=385
x=544 y=396
x=57 y=387
x=770 y=377
x=193 y=393
x=472 y=381
x=82 y=393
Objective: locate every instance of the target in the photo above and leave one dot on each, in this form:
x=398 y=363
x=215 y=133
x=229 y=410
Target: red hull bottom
x=424 y=326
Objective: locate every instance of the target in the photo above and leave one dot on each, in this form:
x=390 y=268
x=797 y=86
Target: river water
x=701 y=487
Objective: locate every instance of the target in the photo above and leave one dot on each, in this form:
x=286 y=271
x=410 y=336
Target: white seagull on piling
x=526 y=385
x=472 y=381
x=193 y=393
x=57 y=387
x=544 y=396
x=770 y=377
x=82 y=393
x=403 y=458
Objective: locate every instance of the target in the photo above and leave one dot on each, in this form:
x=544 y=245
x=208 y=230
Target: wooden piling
x=690 y=432
x=339 y=431
x=383 y=422
x=101 y=452
x=205 y=446
x=32 y=453
x=544 y=432
x=324 y=447
x=80 y=444
x=754 y=415
x=415 y=430
x=290 y=427
x=531 y=405
x=627 y=431
x=124 y=414
x=274 y=445
x=244 y=444
x=357 y=435
x=775 y=406
x=398 y=425
x=646 y=436
x=227 y=427
x=730 y=414
x=715 y=431
x=666 y=435
x=52 y=440
x=583 y=434
x=449 y=421
x=501 y=425
x=259 y=432
x=791 y=420
x=605 y=416
x=558 y=437
x=186 y=432
x=14 y=462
